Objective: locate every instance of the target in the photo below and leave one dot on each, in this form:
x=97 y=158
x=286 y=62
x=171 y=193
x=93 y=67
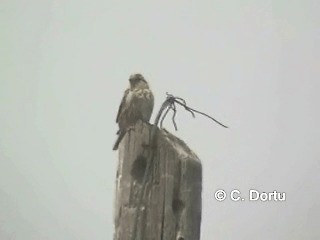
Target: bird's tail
x=116 y=144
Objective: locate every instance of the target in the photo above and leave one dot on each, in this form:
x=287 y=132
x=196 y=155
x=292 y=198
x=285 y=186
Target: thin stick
x=204 y=114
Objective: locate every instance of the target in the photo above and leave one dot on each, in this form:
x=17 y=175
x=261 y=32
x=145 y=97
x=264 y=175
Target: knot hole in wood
x=138 y=168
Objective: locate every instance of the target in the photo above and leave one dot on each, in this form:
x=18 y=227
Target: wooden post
x=166 y=204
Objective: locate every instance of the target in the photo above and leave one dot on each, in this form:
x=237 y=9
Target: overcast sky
x=64 y=65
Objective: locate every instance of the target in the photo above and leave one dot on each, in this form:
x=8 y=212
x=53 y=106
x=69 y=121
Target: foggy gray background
x=254 y=65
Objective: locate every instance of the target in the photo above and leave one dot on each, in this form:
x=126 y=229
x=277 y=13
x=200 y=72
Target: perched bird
x=137 y=104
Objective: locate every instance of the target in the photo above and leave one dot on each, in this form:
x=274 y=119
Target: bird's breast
x=142 y=93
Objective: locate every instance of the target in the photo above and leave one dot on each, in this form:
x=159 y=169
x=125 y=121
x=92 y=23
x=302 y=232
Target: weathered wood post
x=159 y=200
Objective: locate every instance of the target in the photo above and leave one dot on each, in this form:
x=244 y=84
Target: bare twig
x=172 y=100
x=173 y=107
x=164 y=116
x=204 y=114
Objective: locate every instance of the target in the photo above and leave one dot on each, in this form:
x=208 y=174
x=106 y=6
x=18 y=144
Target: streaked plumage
x=137 y=104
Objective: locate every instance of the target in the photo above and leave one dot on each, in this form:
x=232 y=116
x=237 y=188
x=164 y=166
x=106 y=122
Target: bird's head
x=137 y=81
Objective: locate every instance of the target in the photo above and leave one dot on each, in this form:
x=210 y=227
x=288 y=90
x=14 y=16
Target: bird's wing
x=122 y=104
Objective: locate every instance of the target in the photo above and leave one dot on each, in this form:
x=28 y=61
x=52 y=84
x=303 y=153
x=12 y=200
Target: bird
x=137 y=104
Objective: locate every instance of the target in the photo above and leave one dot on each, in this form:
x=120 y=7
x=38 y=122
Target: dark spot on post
x=138 y=168
x=177 y=206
